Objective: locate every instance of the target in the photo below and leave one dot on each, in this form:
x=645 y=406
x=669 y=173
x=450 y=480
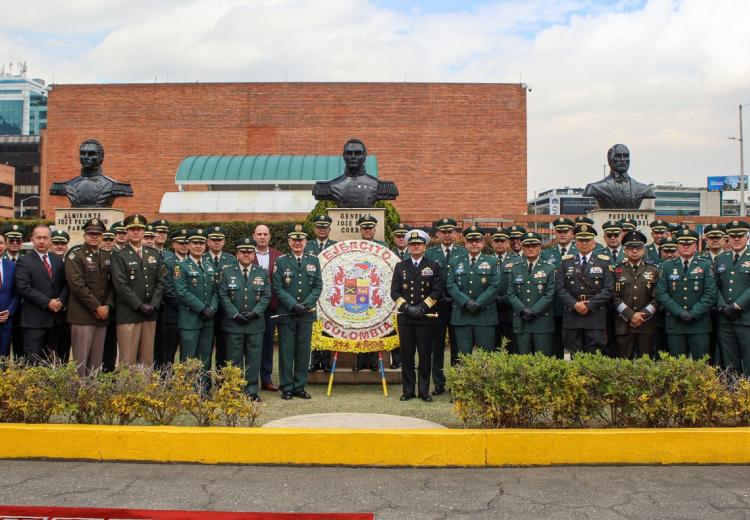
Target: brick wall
x=7 y=176
x=453 y=149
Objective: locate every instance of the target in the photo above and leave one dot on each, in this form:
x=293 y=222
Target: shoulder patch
x=177 y=271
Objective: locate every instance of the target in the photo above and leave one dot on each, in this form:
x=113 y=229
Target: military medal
x=483 y=280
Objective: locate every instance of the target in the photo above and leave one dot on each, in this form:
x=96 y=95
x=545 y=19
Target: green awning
x=264 y=169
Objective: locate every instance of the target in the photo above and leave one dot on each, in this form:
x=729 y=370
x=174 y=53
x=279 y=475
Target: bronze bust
x=619 y=190
x=355 y=188
x=92 y=188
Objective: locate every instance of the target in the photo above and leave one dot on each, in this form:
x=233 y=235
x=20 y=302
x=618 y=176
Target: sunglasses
x=612 y=235
x=473 y=240
x=15 y=240
x=108 y=239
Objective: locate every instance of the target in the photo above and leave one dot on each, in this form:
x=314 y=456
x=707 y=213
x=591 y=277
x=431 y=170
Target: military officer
x=195 y=280
x=628 y=224
x=108 y=240
x=584 y=286
x=634 y=300
x=564 y=246
x=245 y=292
x=687 y=290
x=321 y=229
x=667 y=251
x=416 y=286
x=91 y=299
x=613 y=233
x=658 y=231
x=401 y=248
x=220 y=260
x=714 y=238
x=161 y=230
x=297 y=282
x=516 y=232
x=531 y=293
x=138 y=279
x=733 y=277
x=161 y=356
x=505 y=260
x=367 y=227
x=121 y=234
x=61 y=342
x=443 y=253
x=60 y=241
x=109 y=356
x=473 y=284
x=168 y=336
x=149 y=234
x=13 y=241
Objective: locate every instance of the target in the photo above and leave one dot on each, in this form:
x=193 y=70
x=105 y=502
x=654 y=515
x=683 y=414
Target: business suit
x=8 y=302
x=266 y=357
x=39 y=325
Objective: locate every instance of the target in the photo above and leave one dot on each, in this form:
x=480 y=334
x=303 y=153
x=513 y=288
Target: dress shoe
x=406 y=397
x=426 y=398
x=326 y=367
x=286 y=396
x=374 y=367
x=269 y=386
x=438 y=390
x=358 y=368
x=301 y=394
x=314 y=367
x=395 y=366
x=254 y=398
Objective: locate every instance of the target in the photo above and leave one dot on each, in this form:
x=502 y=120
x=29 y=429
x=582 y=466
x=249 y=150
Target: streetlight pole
x=743 y=213
x=24 y=200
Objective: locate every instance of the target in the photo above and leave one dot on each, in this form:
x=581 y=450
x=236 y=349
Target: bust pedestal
x=641 y=216
x=71 y=220
x=344 y=225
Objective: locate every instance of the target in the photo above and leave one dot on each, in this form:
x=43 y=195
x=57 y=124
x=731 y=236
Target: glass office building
x=23 y=105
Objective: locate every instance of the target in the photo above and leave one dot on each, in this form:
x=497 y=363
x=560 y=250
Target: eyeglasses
x=612 y=235
x=93 y=234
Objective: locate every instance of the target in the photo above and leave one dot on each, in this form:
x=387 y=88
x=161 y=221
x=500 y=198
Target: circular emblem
x=200 y=231
x=298 y=227
x=15 y=227
x=584 y=227
x=445 y=221
x=735 y=223
x=356 y=302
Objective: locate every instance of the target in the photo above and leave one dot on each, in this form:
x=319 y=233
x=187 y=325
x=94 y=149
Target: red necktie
x=47 y=266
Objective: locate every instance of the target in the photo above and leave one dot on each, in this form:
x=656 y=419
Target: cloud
x=663 y=76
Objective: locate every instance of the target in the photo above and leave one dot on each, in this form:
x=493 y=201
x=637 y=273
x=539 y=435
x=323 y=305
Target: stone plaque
x=344 y=225
x=641 y=216
x=71 y=220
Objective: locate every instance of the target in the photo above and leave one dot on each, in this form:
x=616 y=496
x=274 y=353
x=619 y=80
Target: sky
x=665 y=77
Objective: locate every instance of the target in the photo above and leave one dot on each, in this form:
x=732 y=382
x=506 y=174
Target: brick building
x=447 y=146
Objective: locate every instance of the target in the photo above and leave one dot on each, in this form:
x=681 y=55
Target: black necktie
x=563 y=251
x=614 y=253
x=200 y=265
x=685 y=266
x=299 y=263
x=216 y=261
x=473 y=260
x=416 y=264
x=447 y=254
x=531 y=267
x=736 y=258
x=244 y=272
x=583 y=262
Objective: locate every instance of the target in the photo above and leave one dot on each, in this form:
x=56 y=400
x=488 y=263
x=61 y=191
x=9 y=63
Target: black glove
x=239 y=318
x=250 y=315
x=146 y=309
x=414 y=311
x=402 y=307
x=730 y=312
x=686 y=317
x=472 y=306
x=299 y=309
x=207 y=313
x=527 y=314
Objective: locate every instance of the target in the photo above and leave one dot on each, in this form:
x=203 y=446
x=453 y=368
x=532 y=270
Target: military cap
x=296 y=232
x=531 y=239
x=668 y=244
x=245 y=244
x=94 y=225
x=417 y=236
x=134 y=221
x=197 y=234
x=611 y=226
x=401 y=229
x=686 y=235
x=580 y=219
x=628 y=224
x=714 y=230
x=150 y=231
x=516 y=231
x=585 y=231
x=180 y=235
x=659 y=225
x=500 y=233
x=634 y=238
x=161 y=225
x=118 y=227
x=108 y=235
x=473 y=232
x=216 y=232
x=60 y=237
x=563 y=224
x=737 y=227
x=322 y=221
x=445 y=224
x=367 y=221
x=13 y=230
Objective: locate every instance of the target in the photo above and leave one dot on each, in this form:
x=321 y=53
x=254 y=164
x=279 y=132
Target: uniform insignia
x=257 y=280
x=567 y=257
x=745 y=264
x=427 y=271
x=15 y=227
x=151 y=260
x=311 y=268
x=508 y=266
x=542 y=274
x=71 y=256
x=484 y=265
x=163 y=270
x=460 y=268
x=275 y=266
x=721 y=268
x=603 y=257
x=519 y=279
x=483 y=280
x=648 y=276
x=298 y=227
x=177 y=271
x=697 y=270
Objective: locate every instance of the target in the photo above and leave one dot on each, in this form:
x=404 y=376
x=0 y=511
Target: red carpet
x=86 y=513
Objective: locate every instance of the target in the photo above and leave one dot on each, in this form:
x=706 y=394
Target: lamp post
x=24 y=200
x=741 y=140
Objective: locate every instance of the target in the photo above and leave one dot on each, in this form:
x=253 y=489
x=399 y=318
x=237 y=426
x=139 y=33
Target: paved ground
x=601 y=493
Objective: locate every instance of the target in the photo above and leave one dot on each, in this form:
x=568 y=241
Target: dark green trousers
x=294 y=355
x=734 y=340
x=244 y=350
x=470 y=336
x=694 y=345
x=198 y=343
x=531 y=342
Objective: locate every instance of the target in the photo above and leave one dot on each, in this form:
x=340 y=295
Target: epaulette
x=604 y=257
x=72 y=251
x=567 y=257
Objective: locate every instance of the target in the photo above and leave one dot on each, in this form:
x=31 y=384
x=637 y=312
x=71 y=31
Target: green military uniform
x=652 y=250
x=297 y=282
x=219 y=262
x=531 y=293
x=733 y=278
x=504 y=328
x=195 y=287
x=401 y=230
x=168 y=336
x=688 y=296
x=320 y=359
x=244 y=293
x=472 y=283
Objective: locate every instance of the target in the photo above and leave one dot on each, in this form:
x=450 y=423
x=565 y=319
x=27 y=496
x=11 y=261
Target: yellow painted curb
x=421 y=448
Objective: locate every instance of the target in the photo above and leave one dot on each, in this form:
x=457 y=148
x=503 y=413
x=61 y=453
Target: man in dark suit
x=265 y=256
x=8 y=302
x=40 y=282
